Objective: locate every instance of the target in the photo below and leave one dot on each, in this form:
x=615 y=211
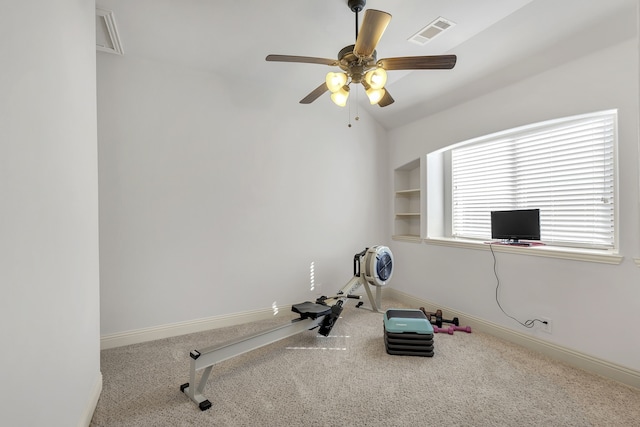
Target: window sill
x=575 y=254
x=407 y=238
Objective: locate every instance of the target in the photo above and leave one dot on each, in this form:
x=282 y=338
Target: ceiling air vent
x=107 y=39
x=427 y=34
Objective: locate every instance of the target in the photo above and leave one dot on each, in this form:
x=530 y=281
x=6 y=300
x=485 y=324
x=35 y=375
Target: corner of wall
x=94 y=395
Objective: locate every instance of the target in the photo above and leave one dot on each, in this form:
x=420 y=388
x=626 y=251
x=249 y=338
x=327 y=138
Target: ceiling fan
x=359 y=62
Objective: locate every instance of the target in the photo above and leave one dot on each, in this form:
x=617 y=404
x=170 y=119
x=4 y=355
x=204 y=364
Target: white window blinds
x=565 y=168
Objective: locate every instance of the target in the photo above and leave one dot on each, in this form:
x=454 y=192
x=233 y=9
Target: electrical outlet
x=547 y=326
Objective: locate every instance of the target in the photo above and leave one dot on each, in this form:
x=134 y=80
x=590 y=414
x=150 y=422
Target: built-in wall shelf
x=407 y=203
x=409 y=193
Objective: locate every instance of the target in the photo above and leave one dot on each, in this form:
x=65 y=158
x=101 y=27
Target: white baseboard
x=571 y=357
x=182 y=328
x=94 y=395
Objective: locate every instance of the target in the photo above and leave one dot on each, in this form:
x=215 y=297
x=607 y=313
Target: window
x=565 y=167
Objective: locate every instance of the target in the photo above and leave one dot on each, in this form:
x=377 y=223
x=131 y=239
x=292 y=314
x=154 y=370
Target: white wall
x=594 y=307
x=215 y=200
x=49 y=363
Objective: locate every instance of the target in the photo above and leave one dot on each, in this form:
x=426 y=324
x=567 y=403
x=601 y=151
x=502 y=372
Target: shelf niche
x=407 y=202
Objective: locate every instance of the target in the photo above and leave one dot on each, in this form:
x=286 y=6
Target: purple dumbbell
x=448 y=330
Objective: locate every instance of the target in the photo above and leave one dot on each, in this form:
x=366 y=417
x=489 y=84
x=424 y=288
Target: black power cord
x=527 y=324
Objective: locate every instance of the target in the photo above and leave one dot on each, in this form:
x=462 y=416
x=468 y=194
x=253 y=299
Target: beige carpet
x=348 y=379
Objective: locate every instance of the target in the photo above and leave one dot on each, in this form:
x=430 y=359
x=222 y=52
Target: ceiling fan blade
x=387 y=99
x=437 y=62
x=303 y=59
x=373 y=25
x=315 y=94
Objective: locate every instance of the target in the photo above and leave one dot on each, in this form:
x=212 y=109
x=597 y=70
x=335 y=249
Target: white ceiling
x=496 y=41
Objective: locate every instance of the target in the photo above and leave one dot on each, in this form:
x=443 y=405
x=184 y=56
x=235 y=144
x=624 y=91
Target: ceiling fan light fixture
x=360 y=62
x=340 y=96
x=375 y=95
x=335 y=81
x=376 y=78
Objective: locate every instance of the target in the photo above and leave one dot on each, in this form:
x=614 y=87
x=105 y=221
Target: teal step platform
x=408 y=332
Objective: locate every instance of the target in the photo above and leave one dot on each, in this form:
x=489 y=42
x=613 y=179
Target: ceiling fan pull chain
x=357 y=117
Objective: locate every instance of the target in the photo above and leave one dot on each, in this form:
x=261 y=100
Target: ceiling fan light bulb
x=376 y=78
x=340 y=96
x=375 y=95
x=335 y=81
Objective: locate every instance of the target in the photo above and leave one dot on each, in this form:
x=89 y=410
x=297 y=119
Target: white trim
x=407 y=238
x=547 y=251
x=110 y=25
x=637 y=261
x=94 y=395
x=572 y=357
x=175 y=329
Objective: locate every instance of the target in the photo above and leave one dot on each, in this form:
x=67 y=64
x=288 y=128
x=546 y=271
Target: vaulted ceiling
x=496 y=42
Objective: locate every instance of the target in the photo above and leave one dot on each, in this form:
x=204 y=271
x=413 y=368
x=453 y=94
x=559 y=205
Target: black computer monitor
x=516 y=225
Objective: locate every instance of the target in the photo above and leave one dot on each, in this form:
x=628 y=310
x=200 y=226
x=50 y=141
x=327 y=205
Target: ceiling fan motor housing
x=354 y=66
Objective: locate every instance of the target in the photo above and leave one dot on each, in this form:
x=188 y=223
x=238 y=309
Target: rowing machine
x=373 y=266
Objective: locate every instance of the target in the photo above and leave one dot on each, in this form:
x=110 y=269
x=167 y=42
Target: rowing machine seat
x=310 y=309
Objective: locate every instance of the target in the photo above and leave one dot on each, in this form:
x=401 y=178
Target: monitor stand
x=514 y=242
